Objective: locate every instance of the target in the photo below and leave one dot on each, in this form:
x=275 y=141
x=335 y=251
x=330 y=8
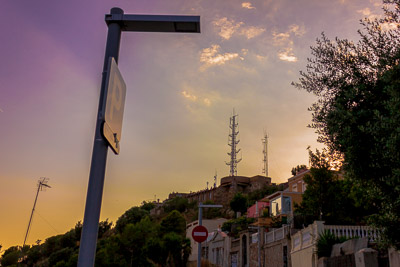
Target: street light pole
x=117 y=22
x=87 y=249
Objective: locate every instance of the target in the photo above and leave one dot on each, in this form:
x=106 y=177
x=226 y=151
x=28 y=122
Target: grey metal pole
x=199 y=244
x=259 y=246
x=87 y=250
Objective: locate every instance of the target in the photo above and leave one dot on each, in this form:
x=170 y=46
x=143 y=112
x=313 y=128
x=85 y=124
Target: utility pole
x=42 y=182
x=233 y=141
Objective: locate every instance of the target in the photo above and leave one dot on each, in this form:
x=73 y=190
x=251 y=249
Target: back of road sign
x=115 y=102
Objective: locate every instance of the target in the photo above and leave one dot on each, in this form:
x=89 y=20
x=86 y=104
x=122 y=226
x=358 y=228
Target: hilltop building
x=228 y=187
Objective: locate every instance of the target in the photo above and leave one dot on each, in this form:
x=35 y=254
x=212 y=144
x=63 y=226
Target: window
x=294 y=188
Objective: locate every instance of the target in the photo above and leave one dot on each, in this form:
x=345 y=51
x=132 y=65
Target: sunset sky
x=181 y=91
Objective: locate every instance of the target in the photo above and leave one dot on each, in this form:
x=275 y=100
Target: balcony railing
x=277 y=234
x=308 y=236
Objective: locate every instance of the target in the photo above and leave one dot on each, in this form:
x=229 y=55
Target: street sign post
x=116 y=91
x=201 y=206
x=110 y=111
x=200 y=233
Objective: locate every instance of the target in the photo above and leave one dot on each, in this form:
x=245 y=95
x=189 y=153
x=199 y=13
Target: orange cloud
x=247 y=5
x=227 y=28
x=211 y=56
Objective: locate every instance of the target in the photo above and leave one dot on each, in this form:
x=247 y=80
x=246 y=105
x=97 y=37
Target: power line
x=47 y=222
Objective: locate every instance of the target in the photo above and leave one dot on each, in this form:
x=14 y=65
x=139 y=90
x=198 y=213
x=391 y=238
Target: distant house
x=216 y=248
x=257 y=209
x=282 y=202
x=211 y=225
x=296 y=183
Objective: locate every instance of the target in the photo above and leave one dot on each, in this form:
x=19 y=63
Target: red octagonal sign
x=200 y=233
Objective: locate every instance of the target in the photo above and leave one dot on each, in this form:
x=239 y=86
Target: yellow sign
x=115 y=102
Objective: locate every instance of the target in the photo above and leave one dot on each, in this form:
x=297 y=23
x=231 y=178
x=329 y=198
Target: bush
x=325 y=243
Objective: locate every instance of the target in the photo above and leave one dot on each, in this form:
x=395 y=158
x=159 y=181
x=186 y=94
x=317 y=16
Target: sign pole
x=108 y=132
x=199 y=244
x=201 y=206
x=87 y=249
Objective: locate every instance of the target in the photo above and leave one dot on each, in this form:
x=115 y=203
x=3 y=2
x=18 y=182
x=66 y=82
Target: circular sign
x=200 y=233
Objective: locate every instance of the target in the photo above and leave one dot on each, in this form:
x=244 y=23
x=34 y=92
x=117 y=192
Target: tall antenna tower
x=215 y=179
x=265 y=152
x=233 y=140
x=42 y=183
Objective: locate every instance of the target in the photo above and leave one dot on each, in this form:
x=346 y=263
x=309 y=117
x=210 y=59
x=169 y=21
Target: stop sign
x=200 y=233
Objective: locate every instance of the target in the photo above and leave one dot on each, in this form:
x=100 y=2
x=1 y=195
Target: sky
x=181 y=91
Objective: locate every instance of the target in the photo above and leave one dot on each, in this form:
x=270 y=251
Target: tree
x=135 y=237
x=133 y=215
x=211 y=213
x=180 y=204
x=327 y=197
x=174 y=222
x=239 y=203
x=234 y=226
x=174 y=245
x=147 y=206
x=10 y=256
x=298 y=168
x=357 y=113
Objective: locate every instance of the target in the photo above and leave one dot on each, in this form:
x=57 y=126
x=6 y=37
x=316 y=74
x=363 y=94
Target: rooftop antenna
x=265 y=152
x=233 y=140
x=42 y=183
x=215 y=179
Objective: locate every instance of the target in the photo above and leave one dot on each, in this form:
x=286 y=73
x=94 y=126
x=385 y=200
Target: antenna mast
x=265 y=152
x=42 y=182
x=215 y=179
x=233 y=140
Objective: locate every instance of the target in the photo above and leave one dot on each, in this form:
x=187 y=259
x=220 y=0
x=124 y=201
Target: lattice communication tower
x=265 y=153
x=233 y=141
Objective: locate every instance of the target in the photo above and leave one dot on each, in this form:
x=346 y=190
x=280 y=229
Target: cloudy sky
x=181 y=91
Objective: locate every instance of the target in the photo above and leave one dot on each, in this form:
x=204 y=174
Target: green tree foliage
x=133 y=215
x=180 y=204
x=325 y=242
x=329 y=198
x=298 y=168
x=10 y=256
x=147 y=206
x=110 y=252
x=234 y=226
x=211 y=213
x=147 y=243
x=143 y=242
x=174 y=222
x=135 y=238
x=357 y=113
x=239 y=203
